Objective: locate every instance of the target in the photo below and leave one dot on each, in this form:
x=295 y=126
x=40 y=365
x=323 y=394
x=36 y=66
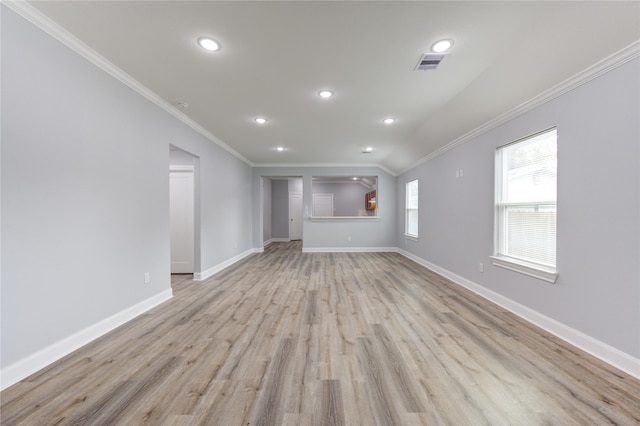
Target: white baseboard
x=201 y=276
x=37 y=361
x=275 y=240
x=349 y=249
x=600 y=350
x=280 y=240
x=31 y=364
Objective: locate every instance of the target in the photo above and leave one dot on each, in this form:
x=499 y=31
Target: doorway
x=323 y=205
x=182 y=211
x=283 y=208
x=295 y=216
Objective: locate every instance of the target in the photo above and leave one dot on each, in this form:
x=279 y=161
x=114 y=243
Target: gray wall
x=348 y=197
x=85 y=193
x=266 y=206
x=374 y=233
x=295 y=185
x=598 y=288
x=280 y=208
x=178 y=157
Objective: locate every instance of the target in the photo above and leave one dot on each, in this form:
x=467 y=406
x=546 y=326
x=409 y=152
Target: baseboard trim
x=349 y=249
x=201 y=276
x=275 y=240
x=37 y=361
x=600 y=350
x=280 y=240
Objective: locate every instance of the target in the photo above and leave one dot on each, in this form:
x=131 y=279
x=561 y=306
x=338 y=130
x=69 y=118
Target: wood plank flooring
x=286 y=338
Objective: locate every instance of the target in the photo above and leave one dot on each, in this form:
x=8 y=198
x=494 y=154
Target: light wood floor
x=319 y=339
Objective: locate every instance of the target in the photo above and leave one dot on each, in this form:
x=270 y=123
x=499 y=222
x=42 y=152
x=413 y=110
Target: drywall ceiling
x=276 y=56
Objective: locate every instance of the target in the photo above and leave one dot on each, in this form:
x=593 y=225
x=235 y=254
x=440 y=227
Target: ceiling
x=276 y=56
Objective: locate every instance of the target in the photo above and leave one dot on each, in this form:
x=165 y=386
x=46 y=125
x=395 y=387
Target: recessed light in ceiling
x=209 y=44
x=260 y=120
x=279 y=148
x=325 y=94
x=367 y=150
x=389 y=120
x=354 y=178
x=442 y=46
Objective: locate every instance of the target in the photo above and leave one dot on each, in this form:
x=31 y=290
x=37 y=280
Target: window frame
x=407 y=234
x=522 y=265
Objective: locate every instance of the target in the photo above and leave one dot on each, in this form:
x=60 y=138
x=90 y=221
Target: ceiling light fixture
x=441 y=46
x=389 y=120
x=280 y=148
x=369 y=149
x=260 y=120
x=325 y=94
x=209 y=44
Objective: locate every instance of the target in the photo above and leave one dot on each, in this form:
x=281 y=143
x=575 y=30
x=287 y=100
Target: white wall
x=598 y=240
x=85 y=195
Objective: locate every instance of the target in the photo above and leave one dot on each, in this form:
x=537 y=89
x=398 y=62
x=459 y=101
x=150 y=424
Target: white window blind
x=411 y=208
x=526 y=181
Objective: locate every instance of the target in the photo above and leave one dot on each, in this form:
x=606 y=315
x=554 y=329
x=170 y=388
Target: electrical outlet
x=481 y=267
x=147 y=278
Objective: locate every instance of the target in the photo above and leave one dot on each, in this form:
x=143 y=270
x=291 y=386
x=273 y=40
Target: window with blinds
x=526 y=187
x=411 y=208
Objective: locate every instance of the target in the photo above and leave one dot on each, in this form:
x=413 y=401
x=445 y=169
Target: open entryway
x=282 y=209
x=182 y=202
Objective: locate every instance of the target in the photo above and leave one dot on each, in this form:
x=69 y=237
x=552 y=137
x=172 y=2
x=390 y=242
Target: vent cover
x=429 y=61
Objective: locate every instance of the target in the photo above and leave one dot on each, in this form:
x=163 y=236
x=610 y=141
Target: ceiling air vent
x=429 y=61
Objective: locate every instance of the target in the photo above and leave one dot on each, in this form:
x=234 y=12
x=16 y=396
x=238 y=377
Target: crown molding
x=56 y=31
x=311 y=165
x=604 y=66
x=47 y=25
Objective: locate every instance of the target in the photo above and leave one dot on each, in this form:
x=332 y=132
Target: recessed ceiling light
x=209 y=44
x=369 y=149
x=389 y=120
x=260 y=120
x=441 y=46
x=280 y=148
x=325 y=94
x=354 y=178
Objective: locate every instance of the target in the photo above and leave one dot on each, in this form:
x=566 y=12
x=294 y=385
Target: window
x=526 y=176
x=411 y=209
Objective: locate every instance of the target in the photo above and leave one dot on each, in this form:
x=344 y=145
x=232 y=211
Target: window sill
x=411 y=237
x=535 y=271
